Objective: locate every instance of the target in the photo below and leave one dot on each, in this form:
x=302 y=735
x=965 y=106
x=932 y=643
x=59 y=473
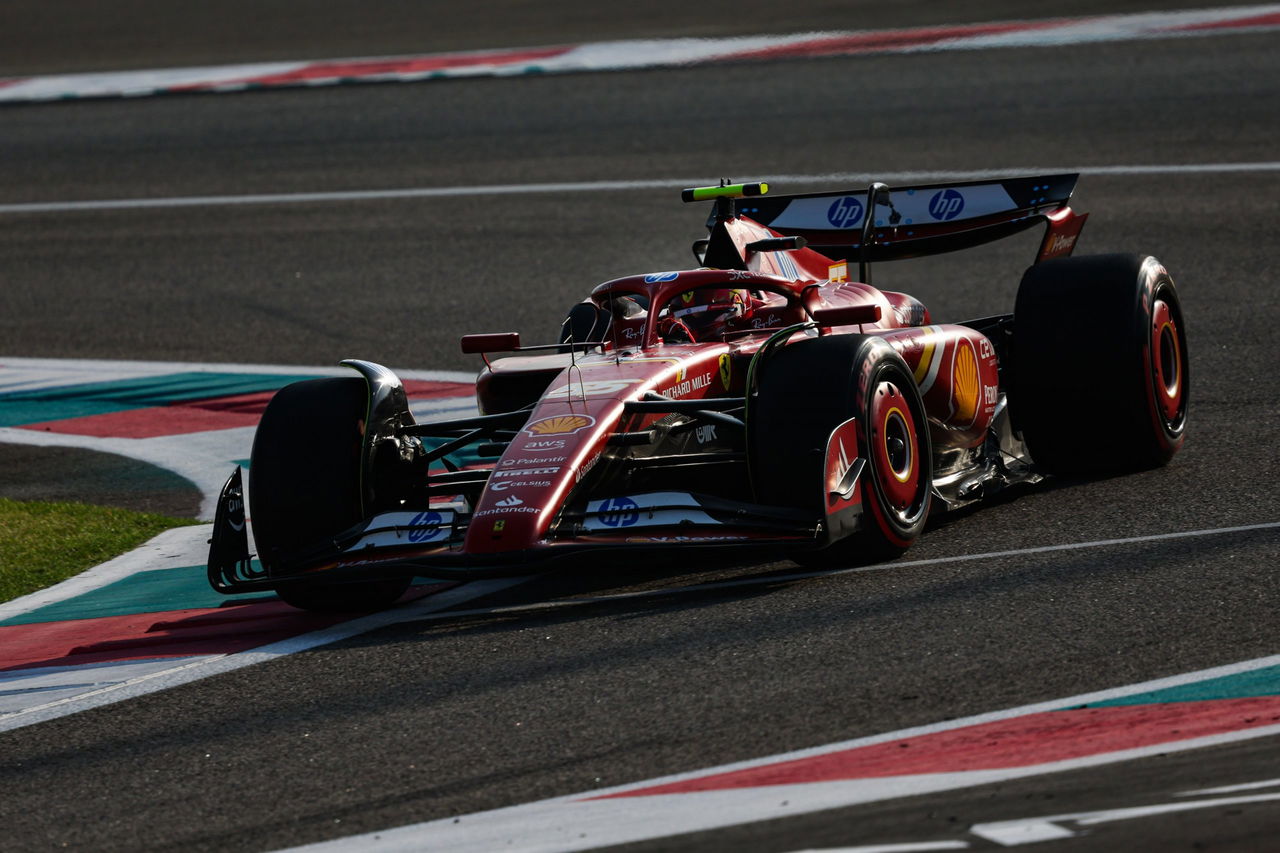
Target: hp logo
x=422 y=528
x=946 y=204
x=845 y=212
x=655 y=277
x=619 y=512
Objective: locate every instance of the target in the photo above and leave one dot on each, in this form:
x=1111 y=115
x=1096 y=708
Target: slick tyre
x=1100 y=377
x=806 y=390
x=304 y=485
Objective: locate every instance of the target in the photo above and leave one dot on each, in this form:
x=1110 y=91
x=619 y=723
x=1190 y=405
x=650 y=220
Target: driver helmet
x=707 y=312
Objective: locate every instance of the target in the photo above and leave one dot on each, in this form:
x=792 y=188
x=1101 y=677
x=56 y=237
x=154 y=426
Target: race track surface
x=449 y=717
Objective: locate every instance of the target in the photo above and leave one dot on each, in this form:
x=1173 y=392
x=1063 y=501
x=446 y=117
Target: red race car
x=772 y=396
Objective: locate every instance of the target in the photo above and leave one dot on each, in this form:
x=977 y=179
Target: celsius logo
x=844 y=212
x=655 y=277
x=619 y=512
x=946 y=204
x=424 y=527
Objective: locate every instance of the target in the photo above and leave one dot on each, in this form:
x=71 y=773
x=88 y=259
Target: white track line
x=1233 y=789
x=1010 y=833
x=344 y=196
x=906 y=847
x=774 y=579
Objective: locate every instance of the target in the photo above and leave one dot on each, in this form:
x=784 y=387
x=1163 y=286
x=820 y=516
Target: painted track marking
x=601 y=818
x=185 y=670
x=774 y=579
x=645 y=53
x=906 y=847
x=202 y=452
x=1009 y=833
x=435 y=608
x=393 y=194
x=630 y=813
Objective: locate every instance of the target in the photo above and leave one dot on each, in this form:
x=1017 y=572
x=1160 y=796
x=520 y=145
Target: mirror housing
x=493 y=342
x=846 y=315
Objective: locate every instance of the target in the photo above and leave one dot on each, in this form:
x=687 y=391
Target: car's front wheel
x=809 y=388
x=304 y=485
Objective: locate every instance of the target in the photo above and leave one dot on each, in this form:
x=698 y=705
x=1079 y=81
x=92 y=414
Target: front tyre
x=1100 y=370
x=806 y=390
x=304 y=486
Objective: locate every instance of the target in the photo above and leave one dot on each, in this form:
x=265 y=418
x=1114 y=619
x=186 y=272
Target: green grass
x=43 y=543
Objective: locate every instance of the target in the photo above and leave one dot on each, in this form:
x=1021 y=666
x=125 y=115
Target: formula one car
x=767 y=397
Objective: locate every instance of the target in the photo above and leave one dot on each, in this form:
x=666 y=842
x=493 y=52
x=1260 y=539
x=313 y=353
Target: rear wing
x=906 y=222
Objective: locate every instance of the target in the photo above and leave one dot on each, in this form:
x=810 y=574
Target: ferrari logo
x=498 y=526
x=687 y=296
x=726 y=370
x=680 y=374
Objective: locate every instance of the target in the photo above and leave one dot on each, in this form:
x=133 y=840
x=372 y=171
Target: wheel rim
x=1167 y=363
x=895 y=451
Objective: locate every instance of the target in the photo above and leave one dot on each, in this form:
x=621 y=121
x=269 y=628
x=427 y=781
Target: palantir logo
x=424 y=527
x=845 y=212
x=946 y=204
x=619 y=512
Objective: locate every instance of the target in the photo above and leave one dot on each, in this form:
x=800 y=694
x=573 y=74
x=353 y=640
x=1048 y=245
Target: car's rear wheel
x=806 y=390
x=1100 y=372
x=304 y=485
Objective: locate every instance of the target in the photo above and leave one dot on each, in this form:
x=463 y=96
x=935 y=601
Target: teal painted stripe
x=101 y=398
x=1244 y=685
x=156 y=591
x=182 y=588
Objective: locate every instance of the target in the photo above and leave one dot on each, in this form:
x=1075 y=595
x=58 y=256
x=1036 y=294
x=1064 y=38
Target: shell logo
x=964 y=381
x=559 y=425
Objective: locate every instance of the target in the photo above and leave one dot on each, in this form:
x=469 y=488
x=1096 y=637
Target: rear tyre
x=806 y=390
x=304 y=485
x=1100 y=372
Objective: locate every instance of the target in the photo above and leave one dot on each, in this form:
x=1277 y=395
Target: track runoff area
x=141 y=623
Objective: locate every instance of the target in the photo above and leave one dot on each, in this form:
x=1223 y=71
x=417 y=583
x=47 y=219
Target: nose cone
x=530 y=483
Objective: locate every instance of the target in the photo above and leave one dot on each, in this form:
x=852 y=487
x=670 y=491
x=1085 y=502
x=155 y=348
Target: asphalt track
x=428 y=720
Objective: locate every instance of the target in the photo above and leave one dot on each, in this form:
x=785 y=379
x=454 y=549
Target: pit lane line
x=339 y=196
